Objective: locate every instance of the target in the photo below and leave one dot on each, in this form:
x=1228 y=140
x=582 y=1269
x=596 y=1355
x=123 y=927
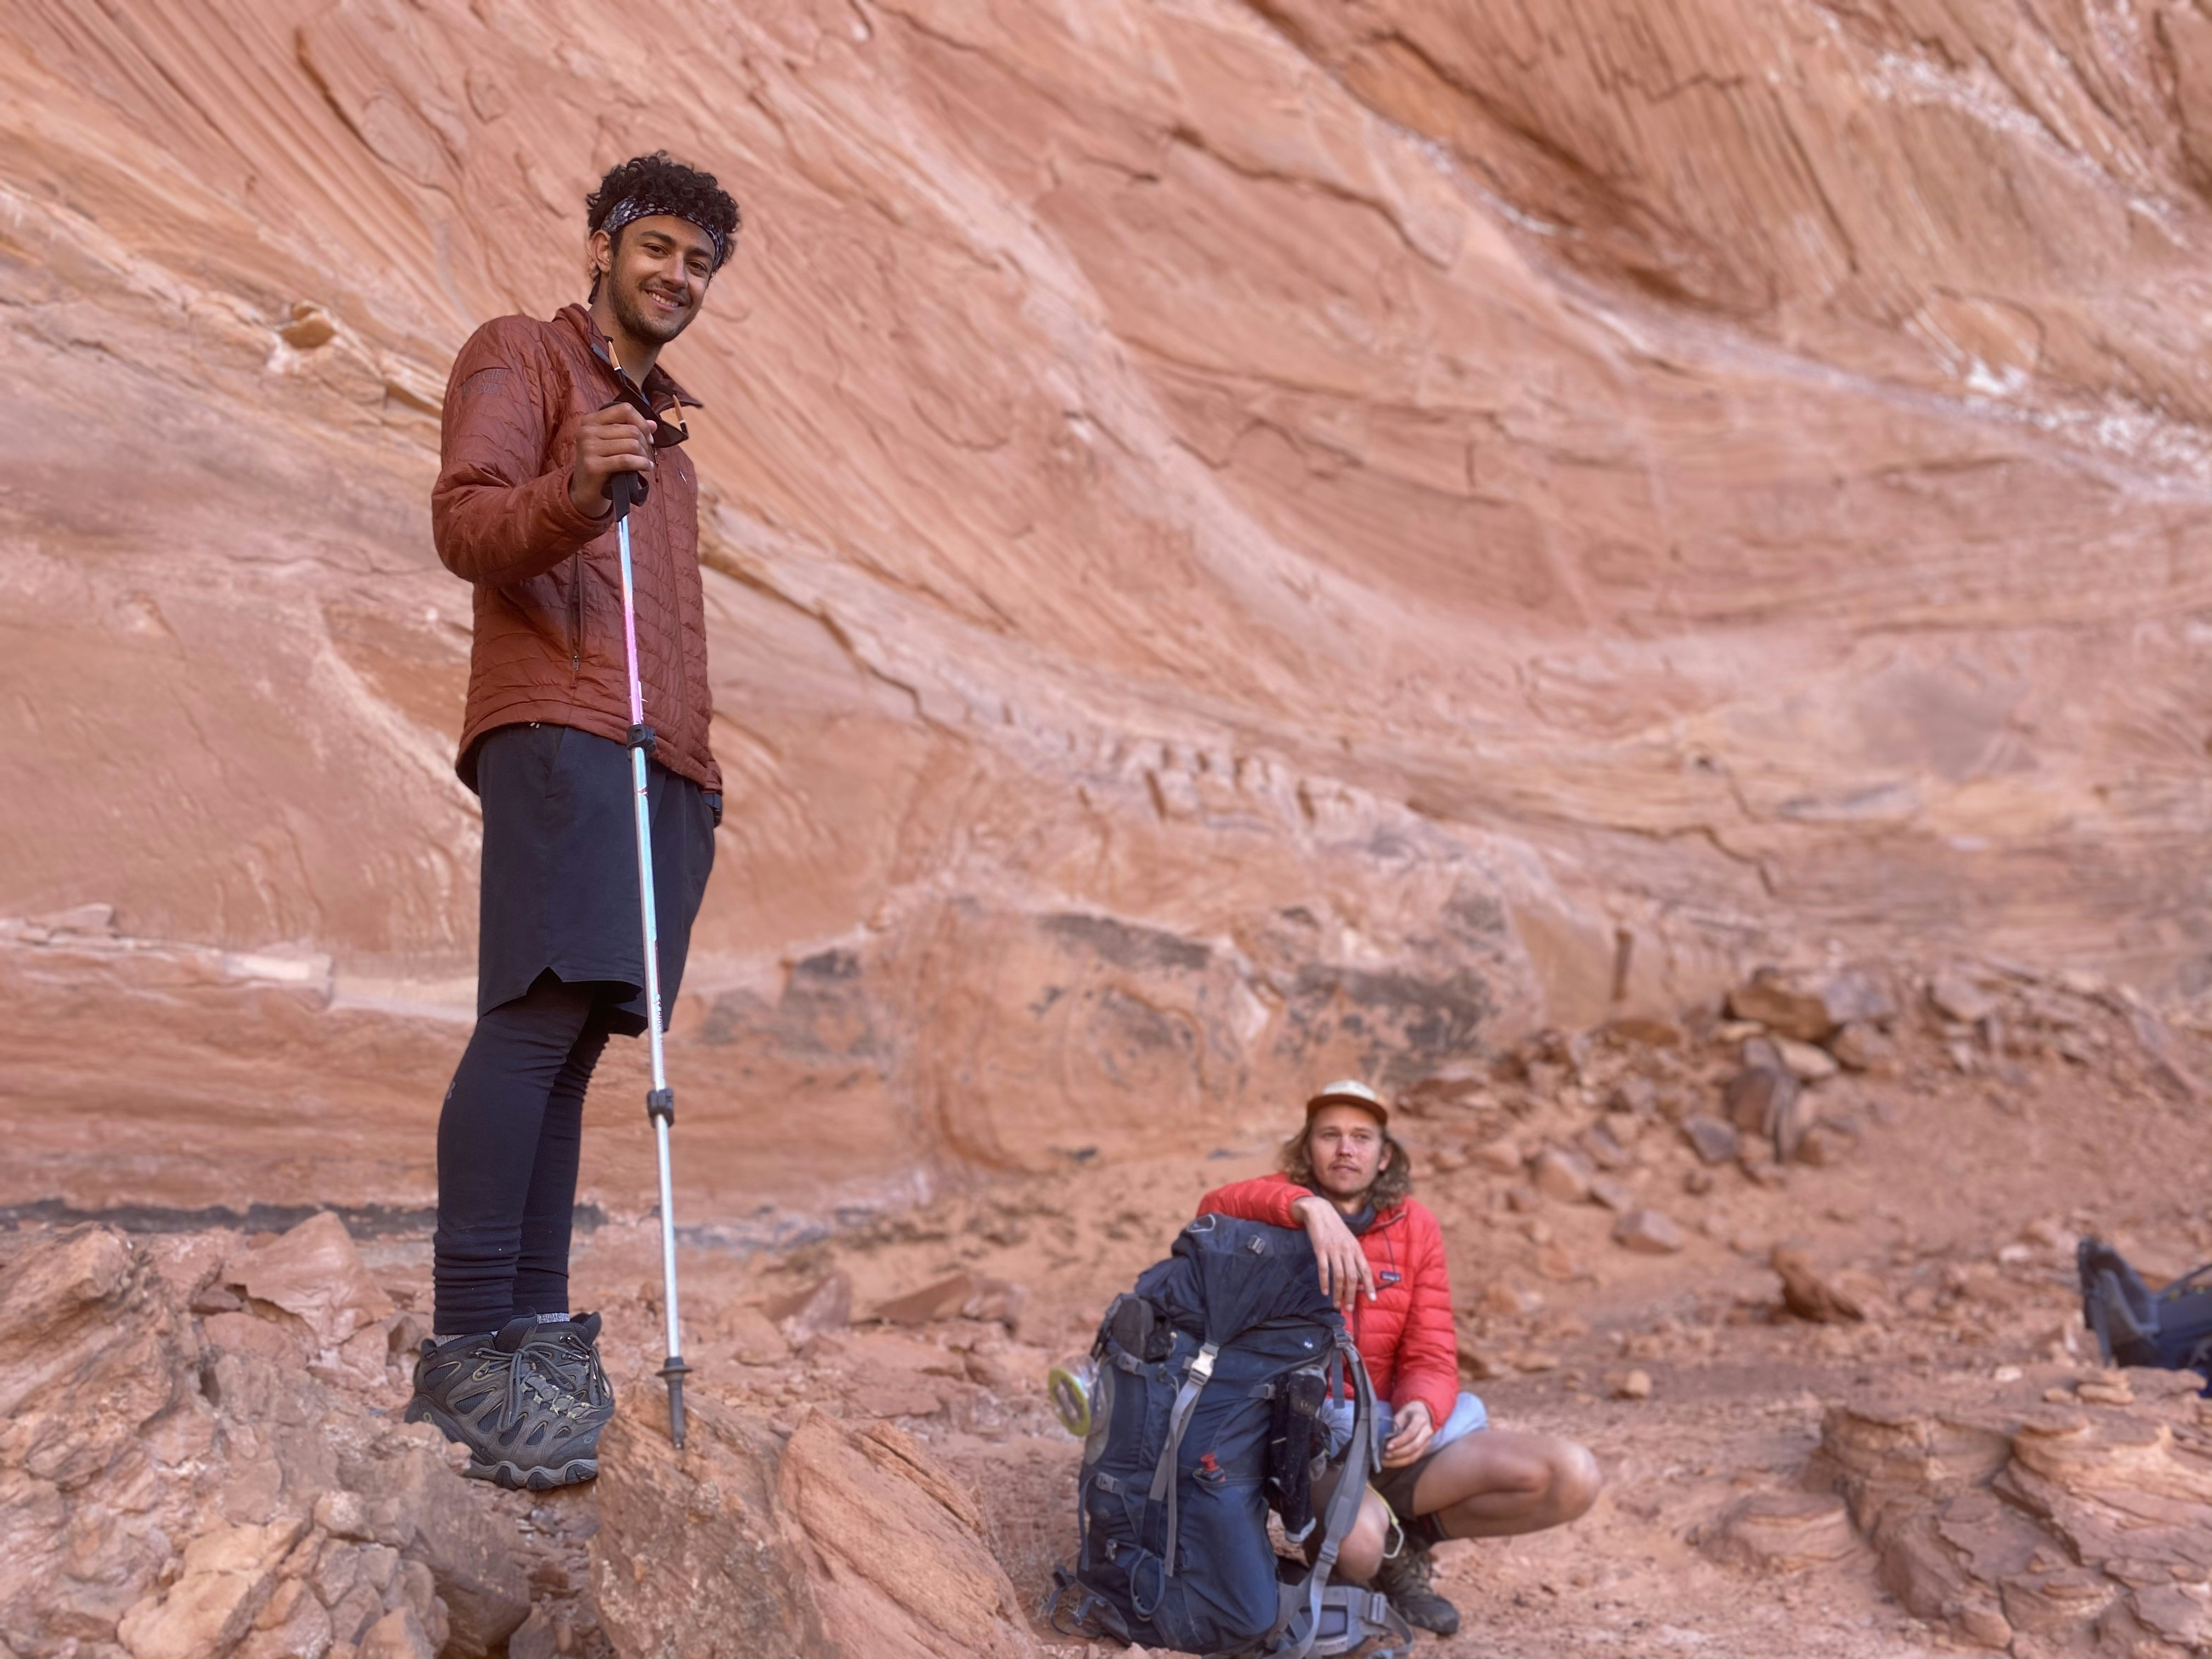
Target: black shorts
x=1395 y=1486
x=560 y=866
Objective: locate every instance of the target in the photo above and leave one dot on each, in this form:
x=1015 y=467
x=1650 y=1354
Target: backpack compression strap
x=1343 y=1511
x=1163 y=1476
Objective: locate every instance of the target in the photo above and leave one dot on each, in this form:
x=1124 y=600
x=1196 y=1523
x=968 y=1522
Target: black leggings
x=508 y=1146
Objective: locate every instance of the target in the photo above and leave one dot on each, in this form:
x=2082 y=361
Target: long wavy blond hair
x=1393 y=1183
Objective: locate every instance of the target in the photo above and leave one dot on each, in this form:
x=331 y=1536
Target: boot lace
x=1409 y=1571
x=530 y=1381
x=574 y=1362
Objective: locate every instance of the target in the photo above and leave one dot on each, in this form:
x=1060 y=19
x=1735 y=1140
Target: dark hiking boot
x=505 y=1398
x=1407 y=1578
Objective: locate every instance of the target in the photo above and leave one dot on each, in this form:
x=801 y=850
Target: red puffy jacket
x=1406 y=1334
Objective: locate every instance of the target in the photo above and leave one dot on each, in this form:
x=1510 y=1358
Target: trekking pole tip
x=675 y=1370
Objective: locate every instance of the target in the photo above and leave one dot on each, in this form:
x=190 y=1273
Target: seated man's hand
x=1414 y=1428
x=1344 y=1269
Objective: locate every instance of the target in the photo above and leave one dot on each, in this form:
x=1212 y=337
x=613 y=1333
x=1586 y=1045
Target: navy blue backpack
x=1227 y=1383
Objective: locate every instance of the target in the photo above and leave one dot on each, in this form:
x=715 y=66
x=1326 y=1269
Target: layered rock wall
x=1243 y=540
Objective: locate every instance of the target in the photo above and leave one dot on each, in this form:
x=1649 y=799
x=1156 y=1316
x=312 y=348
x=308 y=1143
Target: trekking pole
x=660 y=1103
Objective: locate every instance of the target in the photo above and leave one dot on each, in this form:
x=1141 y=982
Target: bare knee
x=1523 y=1477
x=1361 y=1556
x=1575 y=1480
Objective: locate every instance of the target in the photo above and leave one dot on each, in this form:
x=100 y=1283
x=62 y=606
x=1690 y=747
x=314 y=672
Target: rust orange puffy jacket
x=1406 y=1334
x=549 y=640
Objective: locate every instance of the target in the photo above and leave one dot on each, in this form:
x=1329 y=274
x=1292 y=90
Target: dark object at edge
x=2169 y=1330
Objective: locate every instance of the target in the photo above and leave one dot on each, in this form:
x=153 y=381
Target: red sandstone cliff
x=1246 y=539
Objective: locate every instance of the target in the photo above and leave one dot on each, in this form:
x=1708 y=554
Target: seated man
x=1347 y=1183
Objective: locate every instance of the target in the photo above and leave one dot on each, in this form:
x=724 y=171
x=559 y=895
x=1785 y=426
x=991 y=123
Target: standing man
x=538 y=418
x=1445 y=1474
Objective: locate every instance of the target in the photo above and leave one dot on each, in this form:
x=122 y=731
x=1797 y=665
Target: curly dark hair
x=1393 y=1183
x=668 y=184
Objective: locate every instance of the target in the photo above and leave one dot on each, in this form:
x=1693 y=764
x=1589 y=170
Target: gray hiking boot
x=507 y=1399
x=1407 y=1578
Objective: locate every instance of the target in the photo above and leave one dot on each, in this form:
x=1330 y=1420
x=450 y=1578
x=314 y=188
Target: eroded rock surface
x=1244 y=541
x=2062 y=1528
x=171 y=1488
x=104 y=1458
x=194 y=1467
x=842 y=1540
x=314 y=1273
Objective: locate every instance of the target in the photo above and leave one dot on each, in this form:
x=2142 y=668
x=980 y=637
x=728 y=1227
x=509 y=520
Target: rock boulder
x=230 y=1573
x=445 y=1525
x=838 y=1541
x=314 y=1273
x=99 y=1389
x=1810 y=1294
x=165 y=1497
x=1559 y=1173
x=1647 y=1232
x=2083 y=1530
x=1758 y=1097
x=1714 y=1141
x=1808 y=1007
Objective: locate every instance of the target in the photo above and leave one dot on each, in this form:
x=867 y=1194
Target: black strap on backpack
x=1305 y=1628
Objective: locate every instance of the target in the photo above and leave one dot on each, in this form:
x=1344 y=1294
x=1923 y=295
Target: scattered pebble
x=1648 y=1232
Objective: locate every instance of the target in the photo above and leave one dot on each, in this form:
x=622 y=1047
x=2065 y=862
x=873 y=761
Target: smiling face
x=653 y=275
x=1348 y=1150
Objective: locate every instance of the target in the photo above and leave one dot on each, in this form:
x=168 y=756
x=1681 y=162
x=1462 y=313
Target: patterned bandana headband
x=633 y=208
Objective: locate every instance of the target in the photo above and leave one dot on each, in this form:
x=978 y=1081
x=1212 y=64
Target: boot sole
x=571 y=1474
x=512 y=1476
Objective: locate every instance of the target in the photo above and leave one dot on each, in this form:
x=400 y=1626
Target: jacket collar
x=1382 y=1219
x=660 y=388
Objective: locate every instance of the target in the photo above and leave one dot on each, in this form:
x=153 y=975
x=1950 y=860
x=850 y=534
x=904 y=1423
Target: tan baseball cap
x=1350 y=1092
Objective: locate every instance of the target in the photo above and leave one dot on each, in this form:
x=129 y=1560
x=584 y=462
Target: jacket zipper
x=666 y=539
x=1358 y=1312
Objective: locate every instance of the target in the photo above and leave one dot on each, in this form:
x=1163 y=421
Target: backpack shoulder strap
x=1163 y=1474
